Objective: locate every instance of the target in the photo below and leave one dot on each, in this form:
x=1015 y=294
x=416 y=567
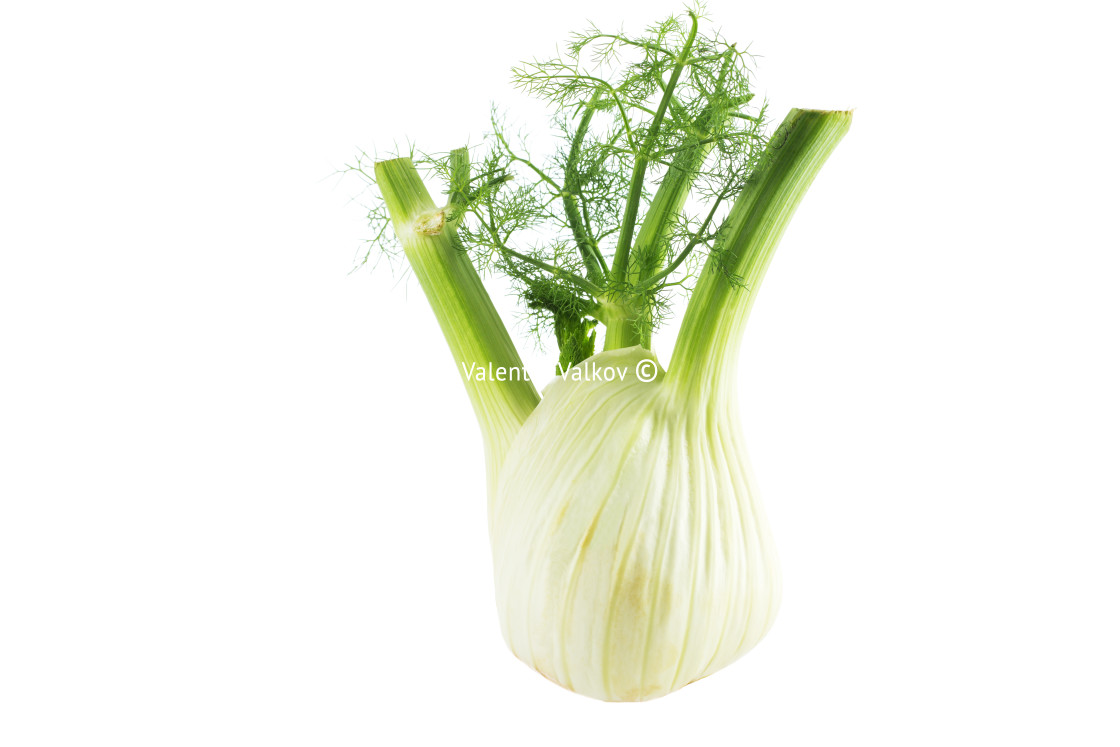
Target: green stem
x=641 y=159
x=648 y=257
x=649 y=251
x=650 y=246
x=707 y=350
x=463 y=308
x=590 y=255
x=622 y=332
x=682 y=255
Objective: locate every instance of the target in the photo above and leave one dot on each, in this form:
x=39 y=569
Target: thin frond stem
x=748 y=117
x=649 y=46
x=571 y=277
x=577 y=220
x=592 y=241
x=696 y=239
x=501 y=246
x=609 y=87
x=544 y=176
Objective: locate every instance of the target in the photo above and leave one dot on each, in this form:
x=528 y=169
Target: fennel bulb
x=631 y=553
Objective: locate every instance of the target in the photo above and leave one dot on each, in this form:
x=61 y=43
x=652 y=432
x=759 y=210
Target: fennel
x=631 y=553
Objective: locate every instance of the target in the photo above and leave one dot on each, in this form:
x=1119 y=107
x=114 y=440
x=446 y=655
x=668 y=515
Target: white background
x=242 y=491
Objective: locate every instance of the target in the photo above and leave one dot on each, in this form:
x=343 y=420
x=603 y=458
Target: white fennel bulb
x=631 y=554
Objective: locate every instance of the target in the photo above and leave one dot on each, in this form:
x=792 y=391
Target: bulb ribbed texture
x=631 y=554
